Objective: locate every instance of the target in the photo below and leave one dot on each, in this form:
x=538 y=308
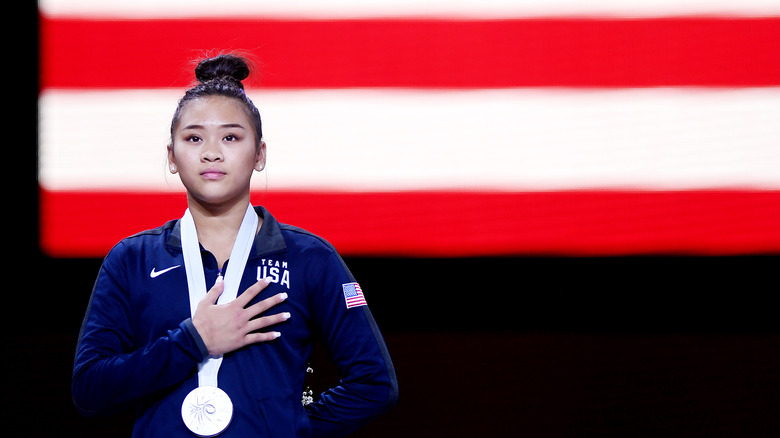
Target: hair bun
x=222 y=67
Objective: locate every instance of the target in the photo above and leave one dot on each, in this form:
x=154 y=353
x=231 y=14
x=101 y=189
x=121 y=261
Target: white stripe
x=510 y=139
x=379 y=8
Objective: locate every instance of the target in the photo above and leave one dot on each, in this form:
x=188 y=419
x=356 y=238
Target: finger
x=267 y=321
x=261 y=306
x=254 y=338
x=213 y=294
x=252 y=291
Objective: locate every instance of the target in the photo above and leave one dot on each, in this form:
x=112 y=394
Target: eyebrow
x=226 y=125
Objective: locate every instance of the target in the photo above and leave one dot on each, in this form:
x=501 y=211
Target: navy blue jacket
x=138 y=348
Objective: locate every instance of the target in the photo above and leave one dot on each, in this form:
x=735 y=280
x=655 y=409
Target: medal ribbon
x=196 y=280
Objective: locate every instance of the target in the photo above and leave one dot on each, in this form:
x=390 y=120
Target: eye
x=231 y=138
x=192 y=138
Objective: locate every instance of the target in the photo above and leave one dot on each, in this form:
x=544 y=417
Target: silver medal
x=207 y=411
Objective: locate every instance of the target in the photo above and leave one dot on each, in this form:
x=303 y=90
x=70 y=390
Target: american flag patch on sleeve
x=353 y=295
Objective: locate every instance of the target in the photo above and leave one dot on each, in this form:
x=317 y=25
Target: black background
x=552 y=347
x=514 y=346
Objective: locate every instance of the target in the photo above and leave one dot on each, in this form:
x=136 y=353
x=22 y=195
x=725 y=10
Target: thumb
x=213 y=294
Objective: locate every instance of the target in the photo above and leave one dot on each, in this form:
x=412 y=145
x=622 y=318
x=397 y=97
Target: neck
x=217 y=227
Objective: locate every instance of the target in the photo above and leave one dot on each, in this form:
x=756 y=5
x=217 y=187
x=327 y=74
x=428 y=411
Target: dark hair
x=221 y=76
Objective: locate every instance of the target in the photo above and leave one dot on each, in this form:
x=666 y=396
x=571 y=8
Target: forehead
x=214 y=111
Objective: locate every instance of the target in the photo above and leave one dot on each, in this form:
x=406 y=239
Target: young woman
x=205 y=325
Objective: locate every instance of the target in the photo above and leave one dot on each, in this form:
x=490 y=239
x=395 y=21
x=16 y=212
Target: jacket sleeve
x=368 y=385
x=110 y=371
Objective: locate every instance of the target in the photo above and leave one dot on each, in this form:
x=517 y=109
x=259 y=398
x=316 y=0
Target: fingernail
x=286 y=315
x=277 y=334
x=283 y=296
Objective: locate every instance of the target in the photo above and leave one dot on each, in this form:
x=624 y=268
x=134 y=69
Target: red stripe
x=702 y=51
x=81 y=224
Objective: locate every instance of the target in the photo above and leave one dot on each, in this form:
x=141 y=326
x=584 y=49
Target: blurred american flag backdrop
x=432 y=128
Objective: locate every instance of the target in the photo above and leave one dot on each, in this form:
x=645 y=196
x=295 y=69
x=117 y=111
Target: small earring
x=173 y=168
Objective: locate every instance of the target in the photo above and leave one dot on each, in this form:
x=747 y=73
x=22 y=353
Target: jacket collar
x=268 y=240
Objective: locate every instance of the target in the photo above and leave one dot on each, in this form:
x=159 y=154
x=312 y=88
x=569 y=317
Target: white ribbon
x=196 y=280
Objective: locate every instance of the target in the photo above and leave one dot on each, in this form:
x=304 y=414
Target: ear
x=171 y=159
x=260 y=158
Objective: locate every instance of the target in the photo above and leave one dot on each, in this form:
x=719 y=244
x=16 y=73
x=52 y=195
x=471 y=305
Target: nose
x=211 y=152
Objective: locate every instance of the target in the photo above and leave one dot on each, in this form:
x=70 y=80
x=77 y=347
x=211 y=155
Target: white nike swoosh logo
x=154 y=273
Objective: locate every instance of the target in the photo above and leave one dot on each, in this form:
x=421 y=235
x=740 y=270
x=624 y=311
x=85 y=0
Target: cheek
x=247 y=158
x=183 y=159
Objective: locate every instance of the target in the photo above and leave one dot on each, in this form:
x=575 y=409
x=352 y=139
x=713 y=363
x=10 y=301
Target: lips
x=212 y=173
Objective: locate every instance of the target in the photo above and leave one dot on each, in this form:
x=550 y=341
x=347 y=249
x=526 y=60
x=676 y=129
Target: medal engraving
x=207 y=411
